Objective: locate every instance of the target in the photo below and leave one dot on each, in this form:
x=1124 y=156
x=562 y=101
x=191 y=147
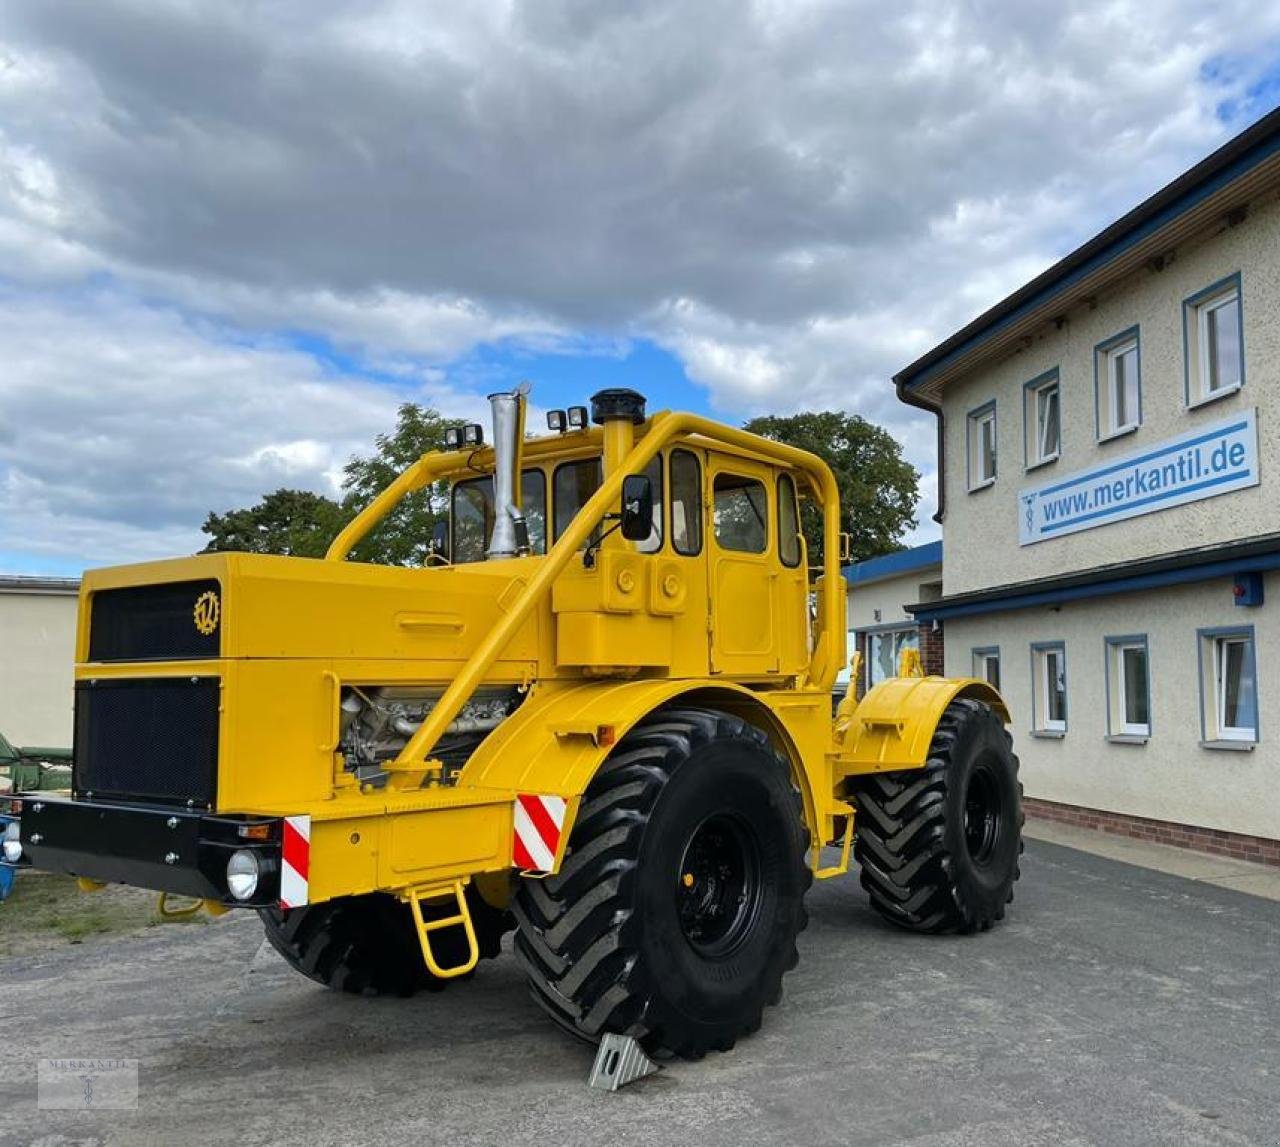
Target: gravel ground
x=1115 y=1006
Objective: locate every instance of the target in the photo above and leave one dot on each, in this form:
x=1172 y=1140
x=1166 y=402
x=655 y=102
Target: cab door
x=744 y=569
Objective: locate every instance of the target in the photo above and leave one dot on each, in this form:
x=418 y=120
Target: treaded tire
x=367 y=945
x=604 y=942
x=927 y=864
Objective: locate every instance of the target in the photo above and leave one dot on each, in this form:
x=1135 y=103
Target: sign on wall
x=1202 y=463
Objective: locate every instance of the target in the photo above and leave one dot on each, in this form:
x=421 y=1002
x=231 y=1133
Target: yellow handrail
x=663 y=428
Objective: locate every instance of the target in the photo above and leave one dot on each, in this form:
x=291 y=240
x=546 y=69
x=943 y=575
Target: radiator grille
x=156 y=622
x=153 y=739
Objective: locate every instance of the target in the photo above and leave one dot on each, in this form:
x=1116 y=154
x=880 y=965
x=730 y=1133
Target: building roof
x=22 y=583
x=1211 y=194
x=894 y=564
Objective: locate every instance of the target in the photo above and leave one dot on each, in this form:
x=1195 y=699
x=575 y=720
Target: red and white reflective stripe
x=295 y=861
x=539 y=820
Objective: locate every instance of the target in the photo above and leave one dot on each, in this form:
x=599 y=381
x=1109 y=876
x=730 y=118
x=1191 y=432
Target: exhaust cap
x=617 y=404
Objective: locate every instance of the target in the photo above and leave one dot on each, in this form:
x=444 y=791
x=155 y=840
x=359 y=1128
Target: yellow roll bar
x=663 y=428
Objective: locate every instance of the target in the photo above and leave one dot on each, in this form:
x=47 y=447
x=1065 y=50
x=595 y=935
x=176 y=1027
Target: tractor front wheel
x=367 y=945
x=939 y=846
x=675 y=913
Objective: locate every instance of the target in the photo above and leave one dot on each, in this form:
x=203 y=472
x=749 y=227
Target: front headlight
x=12 y=842
x=242 y=874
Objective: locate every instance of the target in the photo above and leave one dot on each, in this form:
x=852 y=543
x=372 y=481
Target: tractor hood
x=233 y=605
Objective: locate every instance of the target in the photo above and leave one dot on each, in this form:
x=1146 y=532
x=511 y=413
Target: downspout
x=905 y=395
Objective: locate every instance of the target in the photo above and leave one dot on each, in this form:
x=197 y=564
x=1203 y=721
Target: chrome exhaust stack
x=510 y=531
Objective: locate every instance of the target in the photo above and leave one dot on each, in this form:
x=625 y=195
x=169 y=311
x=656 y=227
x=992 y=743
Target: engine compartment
x=377 y=720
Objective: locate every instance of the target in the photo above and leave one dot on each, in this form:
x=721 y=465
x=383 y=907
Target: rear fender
x=893 y=725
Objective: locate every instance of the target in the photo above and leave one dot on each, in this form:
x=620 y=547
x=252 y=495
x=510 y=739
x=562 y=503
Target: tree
x=403 y=536
x=295 y=522
x=878 y=487
x=301 y=523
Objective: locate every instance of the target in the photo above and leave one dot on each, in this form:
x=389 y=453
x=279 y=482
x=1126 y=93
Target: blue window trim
x=983 y=651
x=969 y=418
x=1099 y=352
x=1040 y=382
x=1203 y=637
x=1109 y=643
x=1044 y=647
x=1190 y=307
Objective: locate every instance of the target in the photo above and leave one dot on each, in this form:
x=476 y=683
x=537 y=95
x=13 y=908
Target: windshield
x=473 y=515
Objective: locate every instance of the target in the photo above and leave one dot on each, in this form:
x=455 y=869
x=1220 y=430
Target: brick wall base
x=932 y=649
x=1258 y=849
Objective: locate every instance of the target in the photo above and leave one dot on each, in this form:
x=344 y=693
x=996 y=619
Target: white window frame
x=1041 y=722
x=897 y=635
x=983 y=657
x=1118 y=723
x=1195 y=318
x=975 y=422
x=1035 y=394
x=1214 y=656
x=1107 y=383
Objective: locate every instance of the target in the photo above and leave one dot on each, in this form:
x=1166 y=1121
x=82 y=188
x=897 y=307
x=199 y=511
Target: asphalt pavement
x=1116 y=1005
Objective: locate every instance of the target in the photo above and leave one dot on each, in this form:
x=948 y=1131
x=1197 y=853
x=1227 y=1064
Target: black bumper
x=166 y=849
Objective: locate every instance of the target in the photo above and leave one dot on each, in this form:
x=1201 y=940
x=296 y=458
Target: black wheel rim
x=983 y=808
x=718 y=888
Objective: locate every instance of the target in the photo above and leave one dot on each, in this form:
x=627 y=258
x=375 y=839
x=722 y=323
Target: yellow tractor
x=600 y=716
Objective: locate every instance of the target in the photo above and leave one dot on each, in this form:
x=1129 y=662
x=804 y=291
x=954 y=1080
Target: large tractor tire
x=367 y=945
x=675 y=913
x=939 y=846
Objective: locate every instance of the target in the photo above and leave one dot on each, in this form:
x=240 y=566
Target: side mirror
x=637 y=507
x=439 y=547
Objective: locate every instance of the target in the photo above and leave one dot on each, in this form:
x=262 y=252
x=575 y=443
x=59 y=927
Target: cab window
x=788 y=522
x=740 y=513
x=575 y=482
x=472 y=515
x=686 y=503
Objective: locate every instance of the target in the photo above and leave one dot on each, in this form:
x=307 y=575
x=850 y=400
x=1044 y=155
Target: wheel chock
x=620 y=1060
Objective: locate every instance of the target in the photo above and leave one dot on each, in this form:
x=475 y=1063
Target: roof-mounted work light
x=578 y=417
x=473 y=434
x=555 y=421
x=453 y=437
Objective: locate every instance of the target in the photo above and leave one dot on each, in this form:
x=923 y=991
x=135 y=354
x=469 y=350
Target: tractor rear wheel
x=367 y=945
x=676 y=910
x=939 y=846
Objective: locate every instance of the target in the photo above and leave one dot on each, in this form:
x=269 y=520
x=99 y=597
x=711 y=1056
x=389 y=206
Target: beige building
x=37 y=652
x=1110 y=498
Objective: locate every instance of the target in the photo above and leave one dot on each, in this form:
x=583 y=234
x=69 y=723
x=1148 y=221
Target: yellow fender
x=562 y=733
x=893 y=725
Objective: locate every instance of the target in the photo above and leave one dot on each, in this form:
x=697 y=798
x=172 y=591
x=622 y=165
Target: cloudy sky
x=234 y=235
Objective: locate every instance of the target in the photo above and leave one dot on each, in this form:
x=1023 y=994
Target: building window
x=1128 y=677
x=982 y=446
x=1213 y=334
x=1117 y=378
x=1042 y=419
x=986 y=665
x=1229 y=686
x=1049 y=688
x=884 y=652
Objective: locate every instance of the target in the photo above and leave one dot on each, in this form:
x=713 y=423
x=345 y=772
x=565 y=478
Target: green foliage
x=303 y=524
x=403 y=536
x=295 y=522
x=878 y=487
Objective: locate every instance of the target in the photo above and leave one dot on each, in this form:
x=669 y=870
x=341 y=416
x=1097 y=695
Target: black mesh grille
x=155 y=622
x=153 y=738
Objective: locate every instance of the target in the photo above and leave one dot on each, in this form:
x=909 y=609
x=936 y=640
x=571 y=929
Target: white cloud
x=796 y=199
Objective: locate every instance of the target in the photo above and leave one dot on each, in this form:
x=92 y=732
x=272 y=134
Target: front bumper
x=180 y=851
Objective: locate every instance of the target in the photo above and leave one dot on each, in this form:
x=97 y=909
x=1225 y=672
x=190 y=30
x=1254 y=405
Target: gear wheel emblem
x=206 y=613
